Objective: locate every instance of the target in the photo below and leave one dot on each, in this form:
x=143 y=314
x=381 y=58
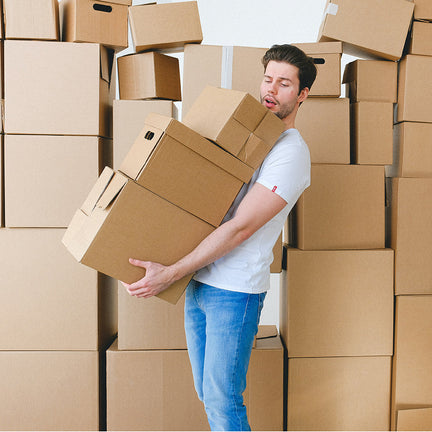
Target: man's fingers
x=138 y=263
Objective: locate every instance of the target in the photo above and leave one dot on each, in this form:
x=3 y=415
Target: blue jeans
x=220 y=328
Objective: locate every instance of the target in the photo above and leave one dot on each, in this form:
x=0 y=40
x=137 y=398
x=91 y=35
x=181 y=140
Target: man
x=225 y=297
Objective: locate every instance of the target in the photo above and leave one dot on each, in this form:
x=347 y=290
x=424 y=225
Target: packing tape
x=332 y=9
x=227 y=66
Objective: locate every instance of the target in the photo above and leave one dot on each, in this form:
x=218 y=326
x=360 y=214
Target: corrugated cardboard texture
x=413 y=419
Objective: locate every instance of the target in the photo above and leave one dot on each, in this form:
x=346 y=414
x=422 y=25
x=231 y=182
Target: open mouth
x=269 y=102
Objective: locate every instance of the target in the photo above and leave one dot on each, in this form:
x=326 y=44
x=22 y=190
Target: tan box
x=414 y=419
x=162 y=26
x=51 y=302
x=47 y=176
x=324 y=124
x=94 y=21
x=348 y=21
x=51 y=390
x=128 y=121
x=421 y=37
x=149 y=75
x=339 y=393
x=236 y=121
x=120 y=220
x=422 y=10
x=162 y=383
x=371 y=80
x=57 y=88
x=344 y=208
x=411 y=234
x=38 y=19
x=414 y=95
x=168 y=157
x=412 y=152
x=372 y=133
x=412 y=361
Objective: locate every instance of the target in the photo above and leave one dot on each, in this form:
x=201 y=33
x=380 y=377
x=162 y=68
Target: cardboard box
x=1 y=182
x=422 y=10
x=276 y=265
x=38 y=19
x=128 y=121
x=421 y=35
x=324 y=124
x=414 y=419
x=377 y=29
x=94 y=21
x=149 y=75
x=163 y=385
x=414 y=96
x=326 y=312
x=412 y=365
x=168 y=157
x=412 y=152
x=344 y=208
x=339 y=393
x=47 y=176
x=237 y=122
x=51 y=303
x=372 y=133
x=371 y=80
x=166 y=25
x=411 y=234
x=120 y=220
x=57 y=88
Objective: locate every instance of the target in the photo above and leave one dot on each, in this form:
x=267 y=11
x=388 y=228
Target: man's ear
x=303 y=95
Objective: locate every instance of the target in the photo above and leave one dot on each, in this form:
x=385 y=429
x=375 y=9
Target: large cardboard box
x=120 y=220
x=57 y=88
x=324 y=124
x=168 y=157
x=94 y=21
x=422 y=10
x=411 y=234
x=414 y=419
x=369 y=27
x=236 y=121
x=51 y=302
x=371 y=80
x=162 y=26
x=329 y=312
x=372 y=133
x=51 y=390
x=414 y=94
x=38 y=19
x=344 y=208
x=128 y=121
x=153 y=390
x=421 y=37
x=47 y=176
x=149 y=75
x=412 y=361
x=339 y=393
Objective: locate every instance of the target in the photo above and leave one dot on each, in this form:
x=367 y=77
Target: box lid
x=312 y=48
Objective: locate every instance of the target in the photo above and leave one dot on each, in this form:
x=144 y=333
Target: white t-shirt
x=286 y=172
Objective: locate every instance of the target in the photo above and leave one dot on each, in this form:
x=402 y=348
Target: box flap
x=97 y=190
x=106 y=62
x=250 y=112
x=113 y=188
x=313 y=48
x=267 y=331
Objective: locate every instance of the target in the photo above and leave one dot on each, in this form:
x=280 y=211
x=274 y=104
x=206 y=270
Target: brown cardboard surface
x=324 y=124
x=161 y=26
x=342 y=209
x=411 y=234
x=50 y=390
x=276 y=265
x=149 y=75
x=47 y=176
x=51 y=302
x=414 y=419
x=65 y=90
x=1 y=182
x=420 y=38
x=38 y=19
x=422 y=10
x=347 y=21
x=341 y=393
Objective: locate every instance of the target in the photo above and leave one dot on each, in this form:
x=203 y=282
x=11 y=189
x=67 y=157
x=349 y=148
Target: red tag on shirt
x=274 y=188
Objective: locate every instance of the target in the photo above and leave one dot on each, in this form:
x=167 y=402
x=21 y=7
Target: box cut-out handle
x=149 y=135
x=102 y=8
x=318 y=60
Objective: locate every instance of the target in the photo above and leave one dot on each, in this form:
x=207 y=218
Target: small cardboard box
x=378 y=29
x=237 y=122
x=344 y=208
x=38 y=19
x=168 y=158
x=372 y=133
x=94 y=21
x=149 y=75
x=51 y=303
x=421 y=37
x=166 y=25
x=414 y=95
x=324 y=124
x=414 y=419
x=57 y=88
x=120 y=220
x=326 y=312
x=371 y=80
x=422 y=10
